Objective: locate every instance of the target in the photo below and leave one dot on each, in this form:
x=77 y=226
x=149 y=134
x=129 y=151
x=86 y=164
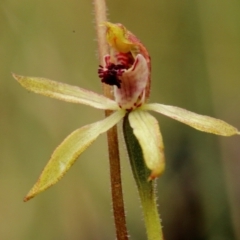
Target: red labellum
x=127 y=68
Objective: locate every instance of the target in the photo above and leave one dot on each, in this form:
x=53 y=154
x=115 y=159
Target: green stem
x=112 y=137
x=146 y=189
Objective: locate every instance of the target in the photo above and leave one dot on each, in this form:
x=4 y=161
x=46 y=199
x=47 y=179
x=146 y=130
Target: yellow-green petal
x=146 y=129
x=66 y=92
x=197 y=121
x=69 y=150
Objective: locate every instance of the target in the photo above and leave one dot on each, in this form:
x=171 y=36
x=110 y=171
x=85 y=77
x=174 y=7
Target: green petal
x=200 y=122
x=66 y=92
x=146 y=129
x=69 y=150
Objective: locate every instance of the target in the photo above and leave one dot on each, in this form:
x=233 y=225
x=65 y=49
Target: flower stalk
x=112 y=136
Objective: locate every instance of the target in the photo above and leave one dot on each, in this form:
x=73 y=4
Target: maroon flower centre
x=111 y=73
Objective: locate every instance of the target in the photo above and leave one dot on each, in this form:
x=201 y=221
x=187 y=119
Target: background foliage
x=195 y=53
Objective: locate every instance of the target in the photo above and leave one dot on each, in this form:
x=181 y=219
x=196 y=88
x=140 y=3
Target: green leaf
x=66 y=92
x=146 y=189
x=197 y=121
x=69 y=150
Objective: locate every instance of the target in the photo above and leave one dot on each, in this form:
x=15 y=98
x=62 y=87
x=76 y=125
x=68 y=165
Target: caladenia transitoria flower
x=127 y=69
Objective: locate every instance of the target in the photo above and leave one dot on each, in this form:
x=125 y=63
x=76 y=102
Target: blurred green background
x=195 y=50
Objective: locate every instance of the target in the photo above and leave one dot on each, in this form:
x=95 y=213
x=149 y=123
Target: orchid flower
x=127 y=68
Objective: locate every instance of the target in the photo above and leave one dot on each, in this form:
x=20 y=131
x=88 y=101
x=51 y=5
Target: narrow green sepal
x=146 y=189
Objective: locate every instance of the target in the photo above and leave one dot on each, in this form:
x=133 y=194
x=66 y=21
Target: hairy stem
x=114 y=158
x=146 y=189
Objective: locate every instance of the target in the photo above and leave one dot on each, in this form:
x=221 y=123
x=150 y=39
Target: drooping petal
x=146 y=129
x=197 y=121
x=131 y=94
x=69 y=150
x=66 y=92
